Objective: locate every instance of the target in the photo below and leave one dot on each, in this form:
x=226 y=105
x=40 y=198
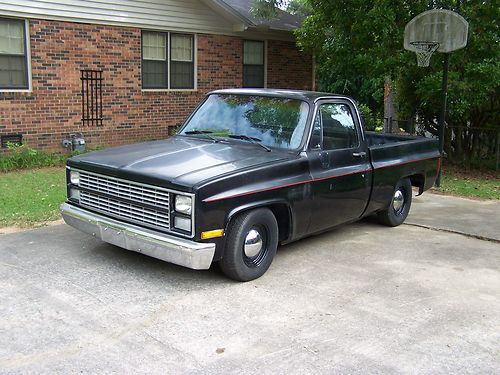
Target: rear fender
x=418 y=180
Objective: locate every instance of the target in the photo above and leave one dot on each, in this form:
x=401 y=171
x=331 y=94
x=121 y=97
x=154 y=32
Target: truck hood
x=178 y=161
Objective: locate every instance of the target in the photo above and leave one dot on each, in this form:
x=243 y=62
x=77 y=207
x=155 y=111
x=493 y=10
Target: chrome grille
x=125 y=210
x=121 y=189
x=125 y=199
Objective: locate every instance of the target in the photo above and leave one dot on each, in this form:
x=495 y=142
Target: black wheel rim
x=255 y=246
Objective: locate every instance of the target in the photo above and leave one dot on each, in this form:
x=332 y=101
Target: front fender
x=272 y=204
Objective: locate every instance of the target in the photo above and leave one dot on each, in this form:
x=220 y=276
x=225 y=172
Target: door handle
x=361 y=154
x=324 y=159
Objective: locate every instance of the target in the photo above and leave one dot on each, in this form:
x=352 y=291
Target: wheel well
x=282 y=214
x=418 y=180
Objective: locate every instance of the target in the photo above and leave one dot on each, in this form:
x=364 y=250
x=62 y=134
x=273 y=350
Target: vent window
x=16 y=139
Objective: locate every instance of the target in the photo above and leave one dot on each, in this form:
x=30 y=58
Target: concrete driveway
x=360 y=299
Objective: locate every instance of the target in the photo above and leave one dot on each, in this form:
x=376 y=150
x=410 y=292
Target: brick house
x=130 y=70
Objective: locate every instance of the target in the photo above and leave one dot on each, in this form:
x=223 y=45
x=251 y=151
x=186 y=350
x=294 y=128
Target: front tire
x=251 y=243
x=400 y=205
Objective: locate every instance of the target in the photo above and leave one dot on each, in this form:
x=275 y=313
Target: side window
x=339 y=131
x=316 y=133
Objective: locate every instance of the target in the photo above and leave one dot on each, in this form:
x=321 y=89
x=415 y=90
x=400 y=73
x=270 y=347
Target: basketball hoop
x=437 y=30
x=424 y=51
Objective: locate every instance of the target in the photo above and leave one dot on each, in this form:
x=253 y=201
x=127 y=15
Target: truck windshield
x=270 y=121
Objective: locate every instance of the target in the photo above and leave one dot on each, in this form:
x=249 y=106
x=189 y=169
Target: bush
x=370 y=121
x=23 y=157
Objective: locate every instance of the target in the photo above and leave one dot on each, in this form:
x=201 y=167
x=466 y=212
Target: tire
x=251 y=243
x=400 y=205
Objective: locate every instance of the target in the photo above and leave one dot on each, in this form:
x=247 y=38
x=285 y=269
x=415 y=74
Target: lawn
x=31 y=197
x=472 y=184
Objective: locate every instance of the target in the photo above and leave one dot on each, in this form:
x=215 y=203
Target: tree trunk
x=459 y=149
x=447 y=141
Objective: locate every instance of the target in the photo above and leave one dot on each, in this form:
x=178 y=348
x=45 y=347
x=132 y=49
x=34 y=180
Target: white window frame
x=195 y=62
x=28 y=57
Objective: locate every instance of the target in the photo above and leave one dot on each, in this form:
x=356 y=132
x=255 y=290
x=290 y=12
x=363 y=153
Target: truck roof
x=309 y=96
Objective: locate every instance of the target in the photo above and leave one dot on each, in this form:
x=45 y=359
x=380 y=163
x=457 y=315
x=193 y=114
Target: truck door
x=339 y=165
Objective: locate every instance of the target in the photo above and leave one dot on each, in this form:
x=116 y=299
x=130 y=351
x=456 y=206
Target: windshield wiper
x=255 y=141
x=206 y=133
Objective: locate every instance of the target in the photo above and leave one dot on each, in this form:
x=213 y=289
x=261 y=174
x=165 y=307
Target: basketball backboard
x=447 y=28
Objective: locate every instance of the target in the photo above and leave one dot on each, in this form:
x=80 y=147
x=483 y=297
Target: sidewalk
x=472 y=217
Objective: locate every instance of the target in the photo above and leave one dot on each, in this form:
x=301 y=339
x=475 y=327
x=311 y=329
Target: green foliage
x=23 y=157
x=267 y=9
x=300 y=8
x=370 y=120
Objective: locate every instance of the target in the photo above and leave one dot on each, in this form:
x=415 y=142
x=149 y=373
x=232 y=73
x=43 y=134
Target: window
x=13 y=56
x=274 y=122
x=253 y=63
x=182 y=62
x=164 y=67
x=339 y=131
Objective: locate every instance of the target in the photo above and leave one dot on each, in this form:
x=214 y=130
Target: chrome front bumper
x=158 y=245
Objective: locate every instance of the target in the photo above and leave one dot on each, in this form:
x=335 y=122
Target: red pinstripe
x=314 y=180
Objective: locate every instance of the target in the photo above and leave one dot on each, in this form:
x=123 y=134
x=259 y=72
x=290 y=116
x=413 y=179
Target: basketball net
x=424 y=51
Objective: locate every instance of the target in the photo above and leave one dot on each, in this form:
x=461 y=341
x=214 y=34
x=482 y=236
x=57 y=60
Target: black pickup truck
x=248 y=170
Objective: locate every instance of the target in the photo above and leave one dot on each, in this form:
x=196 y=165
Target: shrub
x=370 y=120
x=23 y=157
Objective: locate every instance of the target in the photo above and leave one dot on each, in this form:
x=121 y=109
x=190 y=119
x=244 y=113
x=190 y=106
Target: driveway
x=363 y=298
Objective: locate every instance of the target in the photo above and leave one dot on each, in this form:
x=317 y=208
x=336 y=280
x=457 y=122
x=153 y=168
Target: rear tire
x=251 y=243
x=400 y=205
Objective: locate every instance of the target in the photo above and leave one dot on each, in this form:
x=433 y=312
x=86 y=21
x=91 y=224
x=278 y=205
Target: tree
x=357 y=43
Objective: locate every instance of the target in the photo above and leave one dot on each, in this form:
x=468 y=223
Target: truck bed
x=377 y=139
x=393 y=156
x=387 y=149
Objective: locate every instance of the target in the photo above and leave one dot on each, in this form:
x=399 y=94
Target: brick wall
x=287 y=67
x=59 y=50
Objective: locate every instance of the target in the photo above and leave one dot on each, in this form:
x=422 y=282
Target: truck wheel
x=400 y=205
x=251 y=243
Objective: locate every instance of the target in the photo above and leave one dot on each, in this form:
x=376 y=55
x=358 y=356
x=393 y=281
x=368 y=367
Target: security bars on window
x=91 y=97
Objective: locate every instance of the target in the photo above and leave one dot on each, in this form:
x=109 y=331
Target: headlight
x=182 y=223
x=183 y=204
x=74 y=177
x=74 y=194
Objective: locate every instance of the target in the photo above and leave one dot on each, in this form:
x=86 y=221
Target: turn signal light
x=212 y=234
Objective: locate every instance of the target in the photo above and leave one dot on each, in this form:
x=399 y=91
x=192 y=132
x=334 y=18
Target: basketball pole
x=442 y=116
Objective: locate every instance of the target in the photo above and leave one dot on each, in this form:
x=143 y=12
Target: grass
x=31 y=197
x=471 y=184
